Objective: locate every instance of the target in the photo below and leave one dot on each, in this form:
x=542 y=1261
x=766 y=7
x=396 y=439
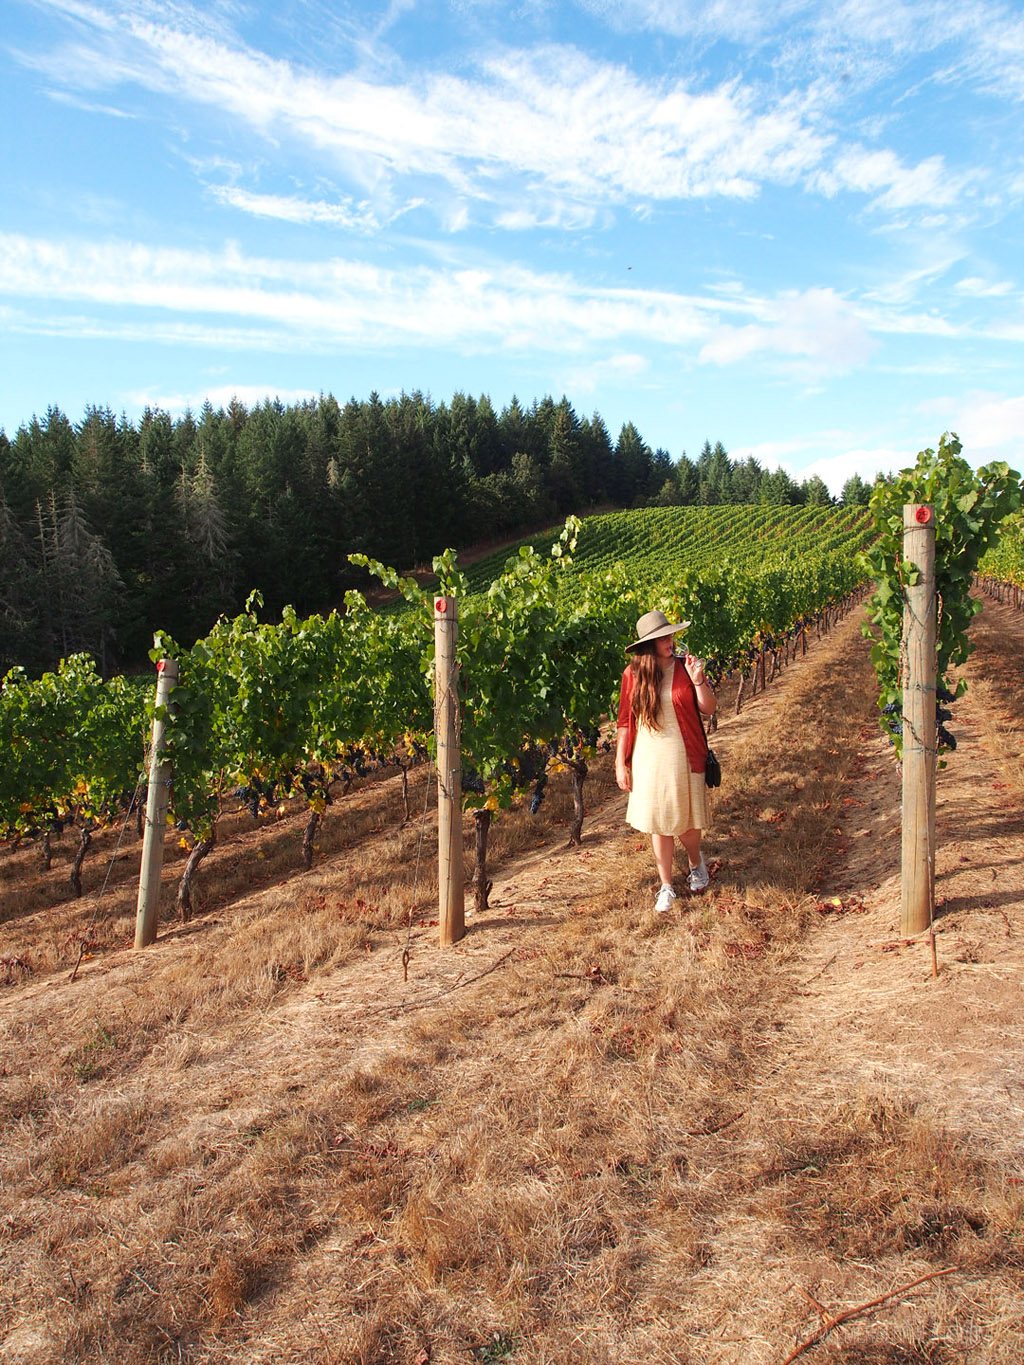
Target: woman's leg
x=691 y=842
x=664 y=848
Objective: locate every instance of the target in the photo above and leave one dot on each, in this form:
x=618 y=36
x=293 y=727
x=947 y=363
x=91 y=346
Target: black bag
x=712 y=770
x=712 y=767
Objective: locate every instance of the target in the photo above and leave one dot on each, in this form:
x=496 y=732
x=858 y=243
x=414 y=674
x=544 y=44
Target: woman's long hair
x=646 y=685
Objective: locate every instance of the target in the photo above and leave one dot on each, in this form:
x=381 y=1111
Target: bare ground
x=586 y=1134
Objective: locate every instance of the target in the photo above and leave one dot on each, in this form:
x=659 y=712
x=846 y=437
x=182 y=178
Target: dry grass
x=997 y=680
x=575 y=1139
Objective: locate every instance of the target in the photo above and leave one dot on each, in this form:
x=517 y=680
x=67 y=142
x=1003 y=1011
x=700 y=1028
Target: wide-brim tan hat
x=652 y=625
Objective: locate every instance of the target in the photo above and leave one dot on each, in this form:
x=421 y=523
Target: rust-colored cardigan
x=684 y=700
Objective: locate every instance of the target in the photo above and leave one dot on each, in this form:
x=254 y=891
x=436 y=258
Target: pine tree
x=856 y=493
x=80 y=582
x=814 y=492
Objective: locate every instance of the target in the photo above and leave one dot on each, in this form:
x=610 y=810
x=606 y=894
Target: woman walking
x=661 y=748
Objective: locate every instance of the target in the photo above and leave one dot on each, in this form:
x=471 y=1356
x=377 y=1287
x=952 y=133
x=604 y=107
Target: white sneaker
x=699 y=876
x=666 y=898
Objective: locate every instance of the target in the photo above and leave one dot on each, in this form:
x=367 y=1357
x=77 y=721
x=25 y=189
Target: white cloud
x=817 y=325
x=564 y=215
x=566 y=123
x=88 y=106
x=355 y=217
x=990 y=425
x=981 y=41
x=882 y=174
x=529 y=127
x=976 y=288
x=616 y=371
x=802 y=459
x=220 y=397
x=236 y=298
x=336 y=301
x=836 y=469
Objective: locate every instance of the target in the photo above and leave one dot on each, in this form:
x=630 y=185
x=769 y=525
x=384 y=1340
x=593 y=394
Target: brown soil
x=297 y=1131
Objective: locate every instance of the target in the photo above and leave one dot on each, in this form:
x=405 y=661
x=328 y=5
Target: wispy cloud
x=976 y=41
x=492 y=305
x=538 y=137
x=556 y=122
x=88 y=106
x=342 y=301
x=973 y=287
x=346 y=213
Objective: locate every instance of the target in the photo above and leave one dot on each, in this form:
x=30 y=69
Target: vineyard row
x=269 y=712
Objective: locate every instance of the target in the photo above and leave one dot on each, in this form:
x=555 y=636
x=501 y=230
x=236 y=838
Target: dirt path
x=866 y=1025
x=866 y=1009
x=673 y=1086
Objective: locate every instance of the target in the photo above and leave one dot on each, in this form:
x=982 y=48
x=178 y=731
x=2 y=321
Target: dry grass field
x=752 y=1131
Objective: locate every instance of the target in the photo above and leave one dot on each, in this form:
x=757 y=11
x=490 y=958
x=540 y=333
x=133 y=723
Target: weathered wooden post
x=447 y=735
x=156 y=813
x=920 y=624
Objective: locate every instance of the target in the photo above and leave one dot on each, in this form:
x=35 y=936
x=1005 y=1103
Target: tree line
x=111 y=528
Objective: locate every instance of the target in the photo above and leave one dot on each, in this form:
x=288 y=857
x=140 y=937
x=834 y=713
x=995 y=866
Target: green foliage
x=276 y=711
x=1004 y=560
x=269 y=711
x=73 y=745
x=541 y=646
x=968 y=507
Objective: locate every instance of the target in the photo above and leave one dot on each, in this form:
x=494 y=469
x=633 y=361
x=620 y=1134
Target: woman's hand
x=624 y=776
x=695 y=668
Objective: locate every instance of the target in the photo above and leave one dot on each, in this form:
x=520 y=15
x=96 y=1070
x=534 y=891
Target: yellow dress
x=667 y=798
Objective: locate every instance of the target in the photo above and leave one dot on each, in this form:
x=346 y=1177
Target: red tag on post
x=440 y=605
x=923 y=516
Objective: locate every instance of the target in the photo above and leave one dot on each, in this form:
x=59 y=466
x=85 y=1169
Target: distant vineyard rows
x=1004 y=563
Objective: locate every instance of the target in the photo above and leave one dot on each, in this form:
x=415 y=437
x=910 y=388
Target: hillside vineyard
x=265 y=712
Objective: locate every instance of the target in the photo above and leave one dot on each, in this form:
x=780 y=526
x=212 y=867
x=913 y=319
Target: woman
x=661 y=748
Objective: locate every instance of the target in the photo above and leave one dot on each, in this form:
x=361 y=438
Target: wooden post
x=156 y=814
x=920 y=626
x=447 y=735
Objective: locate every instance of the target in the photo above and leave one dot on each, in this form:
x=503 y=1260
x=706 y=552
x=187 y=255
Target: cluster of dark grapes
x=310 y=784
x=472 y=782
x=257 y=796
x=538 y=793
x=358 y=762
x=355 y=763
x=943 y=700
x=893 y=713
x=573 y=746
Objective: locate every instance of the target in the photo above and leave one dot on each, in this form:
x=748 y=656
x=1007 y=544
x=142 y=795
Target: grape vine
x=265 y=713
x=969 y=507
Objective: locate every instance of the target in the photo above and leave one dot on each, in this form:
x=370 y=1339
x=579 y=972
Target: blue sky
x=791 y=227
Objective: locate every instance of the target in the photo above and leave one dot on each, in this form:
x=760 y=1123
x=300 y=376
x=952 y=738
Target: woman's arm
x=707 y=702
x=623 y=770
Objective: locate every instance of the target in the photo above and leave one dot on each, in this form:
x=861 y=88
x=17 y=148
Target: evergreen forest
x=110 y=528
